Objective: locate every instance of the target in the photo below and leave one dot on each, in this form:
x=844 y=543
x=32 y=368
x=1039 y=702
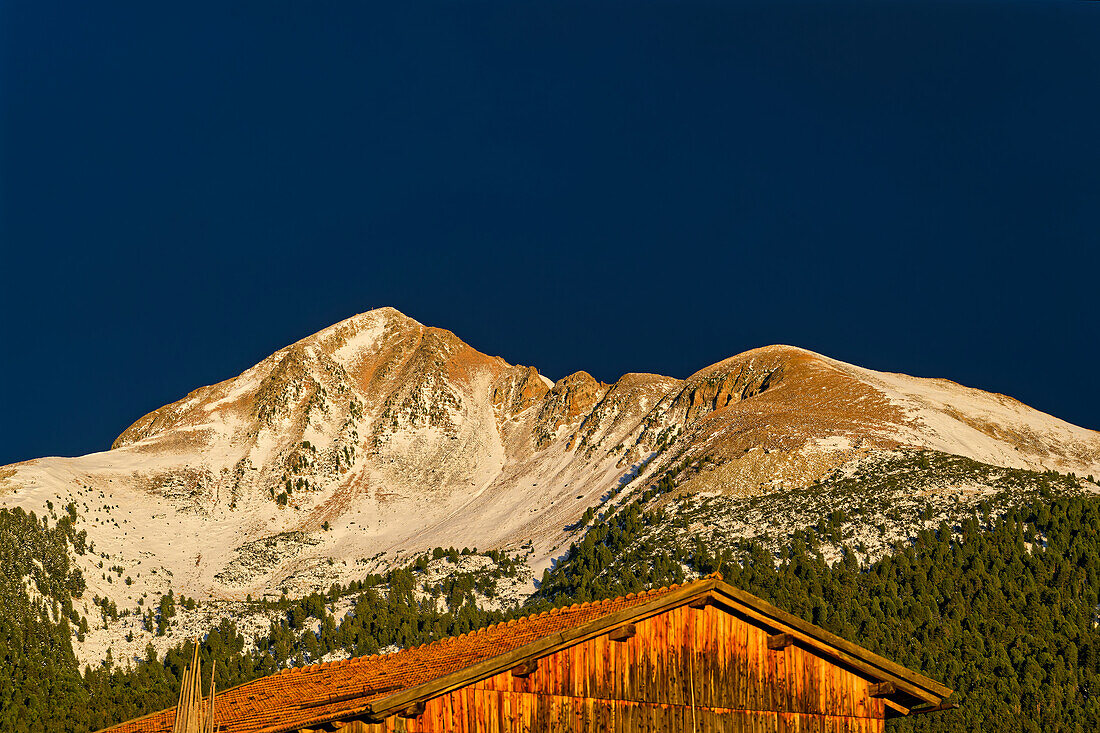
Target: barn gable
x=704 y=656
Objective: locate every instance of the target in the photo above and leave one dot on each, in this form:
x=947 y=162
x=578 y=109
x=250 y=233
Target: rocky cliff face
x=379 y=437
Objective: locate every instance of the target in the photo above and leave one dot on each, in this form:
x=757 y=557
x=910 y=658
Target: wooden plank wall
x=689 y=669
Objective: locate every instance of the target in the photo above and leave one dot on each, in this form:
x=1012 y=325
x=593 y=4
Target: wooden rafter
x=882 y=689
x=525 y=669
x=779 y=642
x=623 y=633
x=896 y=708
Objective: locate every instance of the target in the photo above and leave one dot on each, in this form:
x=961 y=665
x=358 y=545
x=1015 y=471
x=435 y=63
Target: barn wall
x=649 y=682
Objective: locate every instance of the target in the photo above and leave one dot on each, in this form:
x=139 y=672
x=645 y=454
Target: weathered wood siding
x=686 y=670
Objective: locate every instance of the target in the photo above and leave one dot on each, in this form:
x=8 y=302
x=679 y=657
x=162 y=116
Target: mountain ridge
x=379 y=437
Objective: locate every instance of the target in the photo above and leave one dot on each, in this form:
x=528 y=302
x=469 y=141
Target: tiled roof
x=298 y=697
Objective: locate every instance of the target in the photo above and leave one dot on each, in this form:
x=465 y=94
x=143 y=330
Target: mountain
x=379 y=438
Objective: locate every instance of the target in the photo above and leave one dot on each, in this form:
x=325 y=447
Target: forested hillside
x=1003 y=610
x=39 y=682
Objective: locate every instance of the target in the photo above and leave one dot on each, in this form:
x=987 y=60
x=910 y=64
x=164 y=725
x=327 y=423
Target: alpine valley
x=380 y=445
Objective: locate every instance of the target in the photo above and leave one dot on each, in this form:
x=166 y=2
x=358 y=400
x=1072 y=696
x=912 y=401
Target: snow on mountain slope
x=379 y=437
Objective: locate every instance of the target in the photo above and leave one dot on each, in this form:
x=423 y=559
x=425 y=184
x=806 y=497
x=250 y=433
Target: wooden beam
x=413 y=711
x=623 y=632
x=895 y=708
x=700 y=602
x=819 y=641
x=354 y=720
x=882 y=689
x=348 y=726
x=921 y=687
x=525 y=669
x=935 y=708
x=778 y=642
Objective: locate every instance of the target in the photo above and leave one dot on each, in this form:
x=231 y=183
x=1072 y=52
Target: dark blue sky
x=603 y=186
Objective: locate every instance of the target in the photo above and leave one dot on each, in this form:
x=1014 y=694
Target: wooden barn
x=701 y=657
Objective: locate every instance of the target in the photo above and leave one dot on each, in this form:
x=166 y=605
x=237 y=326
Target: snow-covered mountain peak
x=379 y=436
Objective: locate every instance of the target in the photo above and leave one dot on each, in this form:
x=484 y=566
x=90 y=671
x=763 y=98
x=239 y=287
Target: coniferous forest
x=1001 y=609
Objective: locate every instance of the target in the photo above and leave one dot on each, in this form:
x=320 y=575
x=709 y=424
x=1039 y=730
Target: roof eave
x=909 y=683
x=877 y=667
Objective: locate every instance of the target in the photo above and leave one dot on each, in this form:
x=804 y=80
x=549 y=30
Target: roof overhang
x=908 y=690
